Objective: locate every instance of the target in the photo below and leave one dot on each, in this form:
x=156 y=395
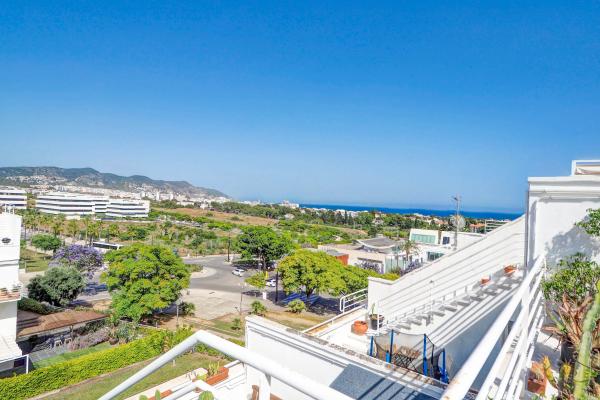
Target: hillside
x=89 y=177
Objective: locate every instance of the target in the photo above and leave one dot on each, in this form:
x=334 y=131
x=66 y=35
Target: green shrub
x=27 y=304
x=258 y=308
x=296 y=306
x=76 y=370
x=186 y=308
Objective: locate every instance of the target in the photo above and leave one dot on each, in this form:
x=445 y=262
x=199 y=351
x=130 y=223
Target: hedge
x=88 y=366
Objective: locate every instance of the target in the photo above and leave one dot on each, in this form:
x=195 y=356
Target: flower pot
x=376 y=321
x=359 y=327
x=509 y=269
x=218 y=377
x=485 y=280
x=536 y=382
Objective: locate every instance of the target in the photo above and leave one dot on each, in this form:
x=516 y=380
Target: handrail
x=269 y=367
x=461 y=383
x=353 y=300
x=329 y=321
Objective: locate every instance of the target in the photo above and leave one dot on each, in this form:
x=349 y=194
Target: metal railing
x=505 y=378
x=354 y=300
x=267 y=367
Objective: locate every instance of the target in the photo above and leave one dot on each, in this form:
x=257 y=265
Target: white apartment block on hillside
x=466 y=326
x=13 y=197
x=10 y=288
x=75 y=205
x=120 y=208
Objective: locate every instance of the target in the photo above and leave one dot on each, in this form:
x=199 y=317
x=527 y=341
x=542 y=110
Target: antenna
x=457 y=220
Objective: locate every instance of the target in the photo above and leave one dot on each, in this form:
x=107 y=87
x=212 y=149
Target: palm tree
x=57 y=224
x=409 y=247
x=72 y=229
x=86 y=223
x=112 y=231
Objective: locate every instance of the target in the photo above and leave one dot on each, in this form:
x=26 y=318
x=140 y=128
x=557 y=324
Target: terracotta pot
x=485 y=281
x=220 y=376
x=359 y=327
x=509 y=269
x=536 y=384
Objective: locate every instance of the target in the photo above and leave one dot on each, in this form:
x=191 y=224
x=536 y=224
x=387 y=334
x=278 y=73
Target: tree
x=143 y=278
x=85 y=259
x=592 y=223
x=257 y=280
x=409 y=247
x=46 y=242
x=112 y=231
x=57 y=224
x=72 y=228
x=258 y=308
x=58 y=286
x=312 y=272
x=263 y=243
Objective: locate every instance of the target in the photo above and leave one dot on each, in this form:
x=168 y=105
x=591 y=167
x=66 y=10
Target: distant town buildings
x=286 y=203
x=13 y=197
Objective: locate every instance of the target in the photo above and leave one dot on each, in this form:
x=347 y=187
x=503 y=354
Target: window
x=446 y=240
x=432 y=256
x=430 y=239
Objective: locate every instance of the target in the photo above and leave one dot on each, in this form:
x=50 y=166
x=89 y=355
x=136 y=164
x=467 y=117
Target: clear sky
x=398 y=103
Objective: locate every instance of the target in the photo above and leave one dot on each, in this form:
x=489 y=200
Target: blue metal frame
x=371 y=346
x=425 y=355
x=444 y=372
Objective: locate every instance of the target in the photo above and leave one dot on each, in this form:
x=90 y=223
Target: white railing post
x=264 y=391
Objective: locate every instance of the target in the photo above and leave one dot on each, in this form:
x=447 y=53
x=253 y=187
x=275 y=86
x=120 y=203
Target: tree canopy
x=46 y=242
x=58 y=286
x=263 y=243
x=86 y=259
x=143 y=278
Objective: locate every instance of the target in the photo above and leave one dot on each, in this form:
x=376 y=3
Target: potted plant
x=536 y=382
x=376 y=320
x=509 y=269
x=216 y=374
x=485 y=280
x=359 y=327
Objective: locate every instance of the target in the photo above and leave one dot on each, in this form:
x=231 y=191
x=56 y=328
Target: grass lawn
x=34 y=261
x=67 y=356
x=96 y=387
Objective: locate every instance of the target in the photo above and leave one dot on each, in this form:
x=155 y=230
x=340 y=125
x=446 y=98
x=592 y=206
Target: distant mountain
x=89 y=177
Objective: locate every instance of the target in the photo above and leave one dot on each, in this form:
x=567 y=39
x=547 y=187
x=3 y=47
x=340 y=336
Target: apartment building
x=466 y=326
x=75 y=205
x=433 y=244
x=120 y=208
x=10 y=288
x=13 y=197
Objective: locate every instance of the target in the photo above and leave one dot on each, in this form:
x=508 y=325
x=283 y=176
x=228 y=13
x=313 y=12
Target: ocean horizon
x=424 y=211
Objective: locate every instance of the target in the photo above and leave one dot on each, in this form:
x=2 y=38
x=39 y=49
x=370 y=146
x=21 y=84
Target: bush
x=296 y=306
x=87 y=366
x=45 y=242
x=58 y=286
x=186 y=308
x=236 y=324
x=258 y=308
x=27 y=304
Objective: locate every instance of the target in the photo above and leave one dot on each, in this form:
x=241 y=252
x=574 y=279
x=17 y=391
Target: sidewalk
x=170 y=384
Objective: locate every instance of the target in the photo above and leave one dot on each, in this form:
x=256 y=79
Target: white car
x=271 y=282
x=238 y=272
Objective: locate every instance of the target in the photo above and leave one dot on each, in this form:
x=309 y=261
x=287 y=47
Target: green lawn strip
x=67 y=356
x=34 y=261
x=93 y=388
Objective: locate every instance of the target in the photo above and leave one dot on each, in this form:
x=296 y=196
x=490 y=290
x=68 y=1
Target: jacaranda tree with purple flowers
x=86 y=259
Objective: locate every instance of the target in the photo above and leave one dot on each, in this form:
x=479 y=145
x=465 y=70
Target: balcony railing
x=268 y=369
x=11 y=292
x=506 y=377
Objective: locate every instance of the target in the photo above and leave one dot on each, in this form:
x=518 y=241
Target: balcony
x=11 y=292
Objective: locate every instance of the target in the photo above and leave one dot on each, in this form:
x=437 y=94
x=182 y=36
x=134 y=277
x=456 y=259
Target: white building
x=70 y=204
x=10 y=288
x=13 y=197
x=120 y=208
x=433 y=244
x=466 y=326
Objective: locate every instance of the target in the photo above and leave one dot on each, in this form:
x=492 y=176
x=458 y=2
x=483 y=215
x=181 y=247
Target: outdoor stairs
x=441 y=308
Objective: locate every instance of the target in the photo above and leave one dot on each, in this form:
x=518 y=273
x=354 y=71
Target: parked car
x=238 y=272
x=271 y=282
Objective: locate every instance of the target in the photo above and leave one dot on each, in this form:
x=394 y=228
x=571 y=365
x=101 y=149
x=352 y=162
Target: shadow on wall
x=576 y=240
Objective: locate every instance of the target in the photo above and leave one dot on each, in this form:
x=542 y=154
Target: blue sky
x=387 y=103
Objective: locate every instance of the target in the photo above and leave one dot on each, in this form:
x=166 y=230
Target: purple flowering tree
x=86 y=259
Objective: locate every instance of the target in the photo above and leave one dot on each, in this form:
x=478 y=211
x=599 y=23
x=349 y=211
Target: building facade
x=75 y=205
x=13 y=198
x=119 y=208
x=10 y=288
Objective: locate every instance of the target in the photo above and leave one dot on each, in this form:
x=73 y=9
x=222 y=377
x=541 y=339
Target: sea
x=422 y=211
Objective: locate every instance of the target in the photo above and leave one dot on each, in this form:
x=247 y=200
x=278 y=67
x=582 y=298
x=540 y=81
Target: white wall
x=555 y=205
